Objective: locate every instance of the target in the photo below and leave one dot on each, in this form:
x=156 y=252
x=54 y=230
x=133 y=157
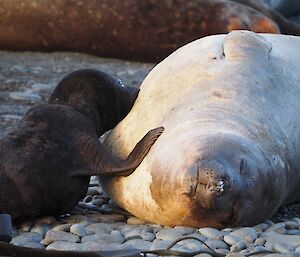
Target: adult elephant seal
x=45 y=164
x=229 y=155
x=145 y=30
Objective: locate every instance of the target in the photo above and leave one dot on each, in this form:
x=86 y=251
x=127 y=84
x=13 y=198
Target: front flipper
x=102 y=162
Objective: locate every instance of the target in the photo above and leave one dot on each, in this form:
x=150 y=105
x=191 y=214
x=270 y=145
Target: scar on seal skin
x=45 y=164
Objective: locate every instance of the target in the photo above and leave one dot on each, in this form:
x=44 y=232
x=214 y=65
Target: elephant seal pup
x=124 y=29
x=229 y=155
x=45 y=164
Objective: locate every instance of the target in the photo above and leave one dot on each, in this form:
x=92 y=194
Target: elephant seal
x=46 y=163
x=229 y=153
x=127 y=29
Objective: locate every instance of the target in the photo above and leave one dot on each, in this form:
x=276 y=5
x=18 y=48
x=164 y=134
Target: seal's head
x=100 y=97
x=219 y=182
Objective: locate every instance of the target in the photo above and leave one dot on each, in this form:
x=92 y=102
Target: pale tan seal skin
x=229 y=155
x=147 y=30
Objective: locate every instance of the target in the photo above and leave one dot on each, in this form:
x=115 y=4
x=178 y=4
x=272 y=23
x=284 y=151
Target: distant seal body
x=45 y=164
x=229 y=153
x=126 y=29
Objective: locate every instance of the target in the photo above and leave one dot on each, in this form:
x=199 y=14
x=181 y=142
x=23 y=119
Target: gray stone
x=241 y=245
x=25 y=238
x=216 y=244
x=278 y=228
x=203 y=255
x=231 y=240
x=92 y=246
x=41 y=228
x=246 y=233
x=261 y=227
x=282 y=248
x=212 y=233
x=259 y=241
x=106 y=218
x=63 y=227
x=35 y=245
x=192 y=245
x=169 y=234
x=139 y=244
x=96 y=228
x=198 y=235
x=102 y=238
x=291 y=225
x=64 y=246
x=25 y=96
x=235 y=255
x=272 y=238
x=56 y=235
x=78 y=229
x=41 y=87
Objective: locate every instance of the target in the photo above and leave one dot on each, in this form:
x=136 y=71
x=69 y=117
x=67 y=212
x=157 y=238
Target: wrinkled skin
x=147 y=30
x=229 y=153
x=46 y=163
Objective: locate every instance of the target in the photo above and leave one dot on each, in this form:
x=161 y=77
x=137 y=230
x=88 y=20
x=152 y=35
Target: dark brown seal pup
x=145 y=30
x=45 y=164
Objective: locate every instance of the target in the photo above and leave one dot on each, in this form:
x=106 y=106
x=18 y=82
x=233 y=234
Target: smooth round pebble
x=87 y=199
x=198 y=236
x=136 y=221
x=102 y=238
x=261 y=227
x=64 y=246
x=192 y=245
x=231 y=240
x=235 y=255
x=78 y=230
x=203 y=255
x=282 y=248
x=278 y=228
x=35 y=245
x=216 y=244
x=41 y=87
x=169 y=234
x=246 y=233
x=25 y=238
x=56 y=235
x=259 y=241
x=291 y=225
x=139 y=244
x=42 y=229
x=241 y=245
x=63 y=227
x=96 y=228
x=211 y=233
x=25 y=96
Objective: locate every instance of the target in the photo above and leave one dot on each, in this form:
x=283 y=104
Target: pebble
x=231 y=240
x=259 y=241
x=34 y=245
x=41 y=229
x=261 y=227
x=25 y=96
x=278 y=228
x=272 y=238
x=212 y=233
x=97 y=228
x=246 y=233
x=241 y=245
x=235 y=255
x=78 y=229
x=216 y=244
x=56 y=235
x=282 y=248
x=64 y=246
x=103 y=238
x=63 y=227
x=139 y=244
x=169 y=234
x=136 y=221
x=41 y=87
x=25 y=238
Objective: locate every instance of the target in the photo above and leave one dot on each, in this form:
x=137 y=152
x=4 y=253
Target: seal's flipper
x=102 y=162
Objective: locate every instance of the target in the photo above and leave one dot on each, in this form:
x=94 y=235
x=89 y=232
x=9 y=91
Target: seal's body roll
x=46 y=162
x=145 y=30
x=229 y=155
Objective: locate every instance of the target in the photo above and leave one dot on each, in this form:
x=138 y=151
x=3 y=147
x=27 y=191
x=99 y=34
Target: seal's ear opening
x=102 y=162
